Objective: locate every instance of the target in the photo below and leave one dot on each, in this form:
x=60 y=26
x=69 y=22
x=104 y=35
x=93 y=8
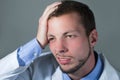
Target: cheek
x=79 y=47
x=52 y=48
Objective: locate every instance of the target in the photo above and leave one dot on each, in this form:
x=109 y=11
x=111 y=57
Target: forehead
x=72 y=14
x=65 y=22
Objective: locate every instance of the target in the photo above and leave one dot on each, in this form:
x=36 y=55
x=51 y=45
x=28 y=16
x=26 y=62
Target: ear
x=93 y=37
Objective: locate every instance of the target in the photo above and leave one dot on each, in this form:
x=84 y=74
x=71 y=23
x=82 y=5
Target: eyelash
x=50 y=39
x=67 y=36
x=70 y=36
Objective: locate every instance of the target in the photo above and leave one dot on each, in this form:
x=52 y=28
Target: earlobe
x=93 y=37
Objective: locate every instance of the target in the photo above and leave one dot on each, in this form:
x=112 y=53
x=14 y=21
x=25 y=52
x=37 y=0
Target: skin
x=42 y=26
x=68 y=41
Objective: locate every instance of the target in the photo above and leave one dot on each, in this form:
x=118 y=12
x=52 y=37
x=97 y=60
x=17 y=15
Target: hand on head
x=42 y=27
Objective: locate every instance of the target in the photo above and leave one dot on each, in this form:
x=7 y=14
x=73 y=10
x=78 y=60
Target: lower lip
x=64 y=61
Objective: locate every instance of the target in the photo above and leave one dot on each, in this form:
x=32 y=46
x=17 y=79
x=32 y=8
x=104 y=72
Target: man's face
x=68 y=42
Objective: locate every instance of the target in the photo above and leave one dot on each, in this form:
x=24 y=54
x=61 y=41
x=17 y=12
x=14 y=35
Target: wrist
x=41 y=43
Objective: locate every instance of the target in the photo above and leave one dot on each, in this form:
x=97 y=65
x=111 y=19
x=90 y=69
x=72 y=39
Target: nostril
x=61 y=51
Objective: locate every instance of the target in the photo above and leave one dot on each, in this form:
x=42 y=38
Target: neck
x=84 y=70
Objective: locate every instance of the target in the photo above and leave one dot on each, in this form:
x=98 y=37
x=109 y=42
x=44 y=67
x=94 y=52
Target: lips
x=64 y=61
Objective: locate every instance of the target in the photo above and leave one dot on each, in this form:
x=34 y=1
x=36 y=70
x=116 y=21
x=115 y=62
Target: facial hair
x=77 y=67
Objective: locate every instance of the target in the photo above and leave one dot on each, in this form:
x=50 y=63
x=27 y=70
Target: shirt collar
x=94 y=75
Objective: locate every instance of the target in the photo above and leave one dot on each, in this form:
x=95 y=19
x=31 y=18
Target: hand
x=43 y=27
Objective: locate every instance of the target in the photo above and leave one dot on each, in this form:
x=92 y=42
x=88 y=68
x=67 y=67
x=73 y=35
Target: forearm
x=17 y=62
x=27 y=53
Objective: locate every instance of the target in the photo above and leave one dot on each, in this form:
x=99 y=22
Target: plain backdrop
x=19 y=22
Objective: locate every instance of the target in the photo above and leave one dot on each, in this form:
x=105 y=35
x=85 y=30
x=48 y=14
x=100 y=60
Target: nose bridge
x=60 y=46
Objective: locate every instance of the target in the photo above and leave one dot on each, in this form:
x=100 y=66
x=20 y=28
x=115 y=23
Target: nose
x=60 y=47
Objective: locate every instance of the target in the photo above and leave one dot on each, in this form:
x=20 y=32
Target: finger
x=46 y=15
x=50 y=9
x=51 y=6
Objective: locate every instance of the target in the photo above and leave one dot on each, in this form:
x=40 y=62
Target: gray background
x=19 y=21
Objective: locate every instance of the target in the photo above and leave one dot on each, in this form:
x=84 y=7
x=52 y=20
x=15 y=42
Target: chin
x=69 y=69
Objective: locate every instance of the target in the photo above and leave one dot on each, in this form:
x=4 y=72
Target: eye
x=50 y=39
x=70 y=36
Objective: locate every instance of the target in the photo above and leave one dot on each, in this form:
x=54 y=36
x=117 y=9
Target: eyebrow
x=65 y=33
x=50 y=35
x=73 y=31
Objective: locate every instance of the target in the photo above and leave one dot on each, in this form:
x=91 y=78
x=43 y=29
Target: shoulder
x=109 y=72
x=45 y=62
x=44 y=66
x=118 y=73
x=45 y=58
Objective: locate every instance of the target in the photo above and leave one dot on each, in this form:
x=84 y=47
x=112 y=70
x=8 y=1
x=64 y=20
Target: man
x=69 y=29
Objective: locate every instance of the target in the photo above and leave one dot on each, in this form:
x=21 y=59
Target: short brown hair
x=87 y=16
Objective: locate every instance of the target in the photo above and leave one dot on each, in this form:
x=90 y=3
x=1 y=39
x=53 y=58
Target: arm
x=17 y=62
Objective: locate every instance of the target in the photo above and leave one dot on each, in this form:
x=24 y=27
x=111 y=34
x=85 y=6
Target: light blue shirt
x=34 y=50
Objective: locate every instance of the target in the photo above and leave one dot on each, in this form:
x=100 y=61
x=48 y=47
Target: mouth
x=64 y=60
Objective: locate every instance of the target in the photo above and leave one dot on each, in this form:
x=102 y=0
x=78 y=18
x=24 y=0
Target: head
x=72 y=35
x=84 y=12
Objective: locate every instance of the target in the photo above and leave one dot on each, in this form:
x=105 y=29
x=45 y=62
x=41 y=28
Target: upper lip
x=63 y=58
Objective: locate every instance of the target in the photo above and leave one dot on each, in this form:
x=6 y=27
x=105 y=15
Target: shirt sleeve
x=27 y=53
